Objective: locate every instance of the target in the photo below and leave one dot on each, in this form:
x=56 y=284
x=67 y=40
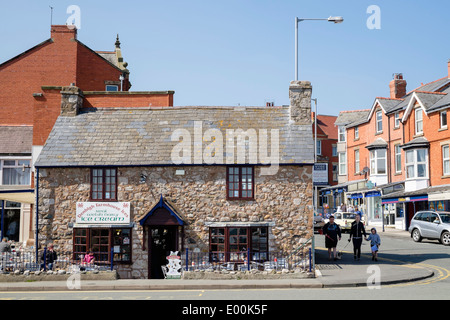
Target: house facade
x=58 y=61
x=402 y=152
x=136 y=183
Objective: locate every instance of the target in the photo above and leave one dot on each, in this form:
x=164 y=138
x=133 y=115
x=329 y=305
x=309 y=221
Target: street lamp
x=297 y=20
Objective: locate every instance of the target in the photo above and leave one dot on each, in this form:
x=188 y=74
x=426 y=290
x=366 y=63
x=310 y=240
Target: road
x=395 y=247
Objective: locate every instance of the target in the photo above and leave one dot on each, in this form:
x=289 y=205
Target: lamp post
x=297 y=20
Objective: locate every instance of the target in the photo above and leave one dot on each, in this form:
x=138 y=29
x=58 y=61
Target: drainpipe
x=36 y=242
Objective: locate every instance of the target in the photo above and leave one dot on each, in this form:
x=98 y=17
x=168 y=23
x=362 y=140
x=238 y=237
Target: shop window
x=104 y=184
x=233 y=243
x=103 y=241
x=12 y=220
x=240 y=183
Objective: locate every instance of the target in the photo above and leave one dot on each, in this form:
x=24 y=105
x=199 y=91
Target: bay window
x=378 y=161
x=342 y=163
x=416 y=163
x=446 y=160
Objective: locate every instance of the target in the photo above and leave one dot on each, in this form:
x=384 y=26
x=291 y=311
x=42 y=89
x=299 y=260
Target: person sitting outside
x=49 y=258
x=88 y=260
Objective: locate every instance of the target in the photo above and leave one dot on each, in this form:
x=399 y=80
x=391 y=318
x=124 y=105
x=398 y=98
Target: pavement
x=341 y=273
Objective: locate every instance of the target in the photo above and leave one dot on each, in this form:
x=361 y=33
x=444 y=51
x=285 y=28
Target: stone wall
x=284 y=201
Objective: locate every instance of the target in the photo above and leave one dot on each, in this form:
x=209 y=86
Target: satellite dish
x=365 y=170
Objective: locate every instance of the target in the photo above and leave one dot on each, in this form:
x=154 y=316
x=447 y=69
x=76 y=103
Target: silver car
x=431 y=225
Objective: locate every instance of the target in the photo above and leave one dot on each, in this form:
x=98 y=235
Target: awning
x=371 y=194
x=404 y=199
x=21 y=195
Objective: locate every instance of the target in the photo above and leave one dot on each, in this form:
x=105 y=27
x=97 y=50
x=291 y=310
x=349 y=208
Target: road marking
x=442 y=273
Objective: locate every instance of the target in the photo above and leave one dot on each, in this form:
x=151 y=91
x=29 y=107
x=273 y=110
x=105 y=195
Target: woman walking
x=332 y=232
x=356 y=232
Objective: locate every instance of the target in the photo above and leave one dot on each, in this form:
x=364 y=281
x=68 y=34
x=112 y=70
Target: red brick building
x=30 y=103
x=398 y=157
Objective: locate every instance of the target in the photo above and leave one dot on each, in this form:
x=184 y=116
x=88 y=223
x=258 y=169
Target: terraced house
x=134 y=183
x=398 y=154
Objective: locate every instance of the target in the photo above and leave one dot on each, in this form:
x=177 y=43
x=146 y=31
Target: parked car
x=318 y=223
x=431 y=225
x=344 y=220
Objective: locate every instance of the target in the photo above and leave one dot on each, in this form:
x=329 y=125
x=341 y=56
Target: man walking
x=356 y=232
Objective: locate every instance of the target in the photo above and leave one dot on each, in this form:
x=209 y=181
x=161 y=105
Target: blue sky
x=242 y=52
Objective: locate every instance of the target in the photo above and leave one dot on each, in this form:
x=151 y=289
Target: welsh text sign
x=103 y=212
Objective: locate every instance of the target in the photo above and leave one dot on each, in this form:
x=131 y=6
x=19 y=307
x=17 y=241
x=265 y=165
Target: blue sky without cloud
x=242 y=52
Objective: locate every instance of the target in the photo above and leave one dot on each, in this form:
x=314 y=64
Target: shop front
x=402 y=207
x=105 y=229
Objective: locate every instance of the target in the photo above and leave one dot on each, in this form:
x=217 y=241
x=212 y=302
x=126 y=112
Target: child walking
x=375 y=242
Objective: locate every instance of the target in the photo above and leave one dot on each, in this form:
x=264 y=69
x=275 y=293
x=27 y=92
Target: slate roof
x=16 y=140
x=142 y=136
x=350 y=118
x=379 y=143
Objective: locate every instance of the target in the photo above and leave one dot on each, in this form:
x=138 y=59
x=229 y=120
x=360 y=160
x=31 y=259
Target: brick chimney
x=398 y=86
x=63 y=32
x=300 y=102
x=448 y=64
x=71 y=101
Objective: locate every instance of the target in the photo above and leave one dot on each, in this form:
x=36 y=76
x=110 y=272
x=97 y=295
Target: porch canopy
x=21 y=194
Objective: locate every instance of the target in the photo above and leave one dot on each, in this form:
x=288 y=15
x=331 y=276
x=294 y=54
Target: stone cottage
x=134 y=184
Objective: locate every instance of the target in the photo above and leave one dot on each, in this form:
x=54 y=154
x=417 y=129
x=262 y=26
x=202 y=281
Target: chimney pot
x=398 y=86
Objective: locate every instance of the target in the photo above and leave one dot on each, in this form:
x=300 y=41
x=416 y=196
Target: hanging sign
x=103 y=212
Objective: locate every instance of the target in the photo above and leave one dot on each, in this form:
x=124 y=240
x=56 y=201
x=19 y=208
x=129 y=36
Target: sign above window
x=103 y=213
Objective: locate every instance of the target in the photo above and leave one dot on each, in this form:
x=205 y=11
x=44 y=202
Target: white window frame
x=16 y=165
x=398 y=158
x=375 y=157
x=418 y=121
x=414 y=164
x=342 y=134
x=357 y=161
x=342 y=163
x=379 y=121
x=441 y=118
x=319 y=147
x=397 y=120
x=356 y=132
x=446 y=160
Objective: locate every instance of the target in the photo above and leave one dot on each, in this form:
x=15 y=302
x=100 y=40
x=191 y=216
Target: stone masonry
x=283 y=201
